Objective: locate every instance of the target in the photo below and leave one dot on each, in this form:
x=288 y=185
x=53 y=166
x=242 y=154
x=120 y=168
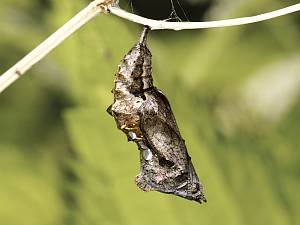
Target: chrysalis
x=144 y=114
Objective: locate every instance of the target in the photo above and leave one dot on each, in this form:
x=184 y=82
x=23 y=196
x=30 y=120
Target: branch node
x=104 y=5
x=18 y=72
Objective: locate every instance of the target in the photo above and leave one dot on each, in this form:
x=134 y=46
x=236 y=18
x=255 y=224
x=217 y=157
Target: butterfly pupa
x=144 y=114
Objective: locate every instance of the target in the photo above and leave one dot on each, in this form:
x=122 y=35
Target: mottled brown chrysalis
x=144 y=114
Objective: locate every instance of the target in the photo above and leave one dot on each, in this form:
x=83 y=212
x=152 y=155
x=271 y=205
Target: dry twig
x=98 y=6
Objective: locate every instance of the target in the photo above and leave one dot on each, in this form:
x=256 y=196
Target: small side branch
x=85 y=15
x=161 y=24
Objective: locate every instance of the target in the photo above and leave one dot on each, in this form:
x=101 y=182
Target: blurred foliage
x=235 y=93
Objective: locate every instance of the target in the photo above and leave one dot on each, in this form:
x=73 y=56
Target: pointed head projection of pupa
x=135 y=68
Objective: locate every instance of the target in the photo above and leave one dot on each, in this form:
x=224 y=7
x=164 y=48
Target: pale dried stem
x=98 y=6
x=161 y=24
x=85 y=15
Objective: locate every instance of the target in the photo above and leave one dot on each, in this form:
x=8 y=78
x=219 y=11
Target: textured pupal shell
x=144 y=114
x=134 y=75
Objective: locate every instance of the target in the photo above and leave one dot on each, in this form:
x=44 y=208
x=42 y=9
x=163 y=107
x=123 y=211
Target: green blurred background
x=234 y=91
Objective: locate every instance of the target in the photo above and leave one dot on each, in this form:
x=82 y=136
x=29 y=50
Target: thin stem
x=98 y=6
x=161 y=24
x=85 y=15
